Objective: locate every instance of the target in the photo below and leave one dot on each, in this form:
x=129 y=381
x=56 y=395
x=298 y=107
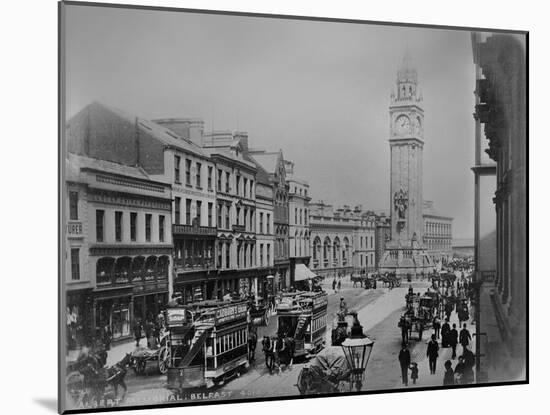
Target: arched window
x=137 y=268
x=150 y=267
x=122 y=269
x=326 y=251
x=104 y=270
x=336 y=252
x=163 y=266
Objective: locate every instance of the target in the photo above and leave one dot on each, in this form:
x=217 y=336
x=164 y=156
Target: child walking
x=414 y=372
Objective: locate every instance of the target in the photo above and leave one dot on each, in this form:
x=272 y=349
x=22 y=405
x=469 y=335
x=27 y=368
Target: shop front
x=79 y=317
x=114 y=310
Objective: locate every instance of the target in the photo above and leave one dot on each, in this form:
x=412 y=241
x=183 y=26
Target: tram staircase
x=301 y=326
x=201 y=333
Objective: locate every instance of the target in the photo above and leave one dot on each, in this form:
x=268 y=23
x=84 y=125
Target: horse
x=117 y=373
x=252 y=343
x=284 y=352
x=268 y=349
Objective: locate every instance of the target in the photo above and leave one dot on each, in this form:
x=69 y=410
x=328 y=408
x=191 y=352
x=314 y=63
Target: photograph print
x=258 y=207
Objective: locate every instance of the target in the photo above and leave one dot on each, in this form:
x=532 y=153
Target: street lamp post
x=357 y=349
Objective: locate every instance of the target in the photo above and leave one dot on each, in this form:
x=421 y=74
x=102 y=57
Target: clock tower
x=405 y=253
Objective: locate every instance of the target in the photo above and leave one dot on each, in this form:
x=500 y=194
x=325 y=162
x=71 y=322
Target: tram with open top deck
x=303 y=316
x=208 y=343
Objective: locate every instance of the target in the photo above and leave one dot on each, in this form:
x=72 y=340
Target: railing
x=179 y=229
x=192 y=263
x=239 y=228
x=74 y=228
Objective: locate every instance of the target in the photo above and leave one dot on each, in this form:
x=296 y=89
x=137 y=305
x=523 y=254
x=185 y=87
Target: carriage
x=303 y=317
x=365 y=280
x=390 y=279
x=89 y=383
x=160 y=356
x=208 y=343
x=328 y=372
x=259 y=311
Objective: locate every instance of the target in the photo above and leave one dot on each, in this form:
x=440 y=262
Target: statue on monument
x=400 y=202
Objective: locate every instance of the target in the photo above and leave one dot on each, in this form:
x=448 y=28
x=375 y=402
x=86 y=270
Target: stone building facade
x=501 y=131
x=126 y=259
x=438 y=234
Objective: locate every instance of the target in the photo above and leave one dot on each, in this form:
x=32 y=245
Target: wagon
x=328 y=372
x=142 y=356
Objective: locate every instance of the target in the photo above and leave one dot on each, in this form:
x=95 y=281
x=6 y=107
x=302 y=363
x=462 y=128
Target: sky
x=320 y=91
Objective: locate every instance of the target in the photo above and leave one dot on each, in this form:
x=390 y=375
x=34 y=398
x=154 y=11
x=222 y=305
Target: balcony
x=74 y=228
x=239 y=228
x=193 y=264
x=194 y=230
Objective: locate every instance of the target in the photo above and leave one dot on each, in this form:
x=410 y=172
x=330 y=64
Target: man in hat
x=404 y=362
x=432 y=353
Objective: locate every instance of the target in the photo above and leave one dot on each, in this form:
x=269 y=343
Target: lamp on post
x=357 y=349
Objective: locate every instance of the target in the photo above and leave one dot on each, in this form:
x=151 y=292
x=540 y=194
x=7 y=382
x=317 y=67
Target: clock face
x=402 y=124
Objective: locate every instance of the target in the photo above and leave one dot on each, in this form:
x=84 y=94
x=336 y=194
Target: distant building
x=299 y=233
x=274 y=164
x=438 y=233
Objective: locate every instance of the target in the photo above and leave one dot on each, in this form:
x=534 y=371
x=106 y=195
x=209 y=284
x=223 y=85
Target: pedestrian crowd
x=450 y=335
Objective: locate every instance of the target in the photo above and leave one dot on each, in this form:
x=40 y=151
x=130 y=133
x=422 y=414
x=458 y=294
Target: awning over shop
x=303 y=273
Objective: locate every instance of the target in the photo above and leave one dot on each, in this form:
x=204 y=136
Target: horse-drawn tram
x=208 y=344
x=303 y=316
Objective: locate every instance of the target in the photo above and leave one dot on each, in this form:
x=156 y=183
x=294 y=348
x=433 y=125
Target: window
x=371 y=242
x=75 y=264
x=219 y=207
x=209 y=177
x=238 y=185
x=148 y=227
x=227 y=249
x=305 y=216
x=118 y=226
x=99 y=224
x=227 y=216
x=133 y=220
x=219 y=189
x=188 y=211
x=219 y=257
x=268 y=223
x=261 y=222
x=296 y=215
x=251 y=255
x=188 y=171
x=227 y=187
x=73 y=205
x=177 y=174
x=210 y=214
x=245 y=219
x=199 y=208
x=245 y=187
x=251 y=187
x=238 y=215
x=261 y=255
x=198 y=175
x=161 y=228
x=268 y=254
x=252 y=220
x=177 y=210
